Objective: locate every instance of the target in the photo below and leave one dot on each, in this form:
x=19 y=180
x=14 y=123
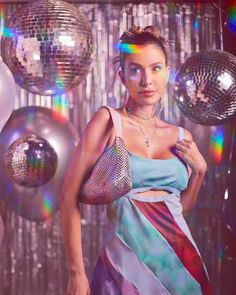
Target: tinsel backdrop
x=32 y=256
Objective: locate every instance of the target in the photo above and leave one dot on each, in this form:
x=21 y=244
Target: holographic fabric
x=148 y=248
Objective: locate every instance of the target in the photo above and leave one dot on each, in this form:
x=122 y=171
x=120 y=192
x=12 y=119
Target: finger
x=179 y=151
x=180 y=146
x=185 y=142
x=183 y=146
x=182 y=142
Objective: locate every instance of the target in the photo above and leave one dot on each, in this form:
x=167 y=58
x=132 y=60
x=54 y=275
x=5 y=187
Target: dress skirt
x=148 y=249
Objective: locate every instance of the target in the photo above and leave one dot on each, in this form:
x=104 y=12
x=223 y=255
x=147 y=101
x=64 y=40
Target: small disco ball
x=35 y=150
x=206 y=87
x=31 y=161
x=48 y=46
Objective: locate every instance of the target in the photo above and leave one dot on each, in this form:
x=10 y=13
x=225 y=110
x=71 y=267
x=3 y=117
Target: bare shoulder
x=102 y=115
x=97 y=131
x=173 y=131
x=99 y=120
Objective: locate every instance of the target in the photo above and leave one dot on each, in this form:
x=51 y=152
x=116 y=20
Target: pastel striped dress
x=148 y=248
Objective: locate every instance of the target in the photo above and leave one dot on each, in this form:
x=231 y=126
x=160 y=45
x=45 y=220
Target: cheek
x=161 y=80
x=132 y=81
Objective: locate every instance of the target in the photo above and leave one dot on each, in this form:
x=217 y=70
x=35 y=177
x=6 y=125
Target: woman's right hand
x=78 y=284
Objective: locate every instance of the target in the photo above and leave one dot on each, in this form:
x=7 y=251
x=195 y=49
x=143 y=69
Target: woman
x=148 y=248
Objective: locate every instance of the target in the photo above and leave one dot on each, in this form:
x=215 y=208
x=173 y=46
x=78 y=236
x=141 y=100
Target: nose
x=146 y=79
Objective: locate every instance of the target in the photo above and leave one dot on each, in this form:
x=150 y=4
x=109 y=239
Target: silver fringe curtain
x=32 y=257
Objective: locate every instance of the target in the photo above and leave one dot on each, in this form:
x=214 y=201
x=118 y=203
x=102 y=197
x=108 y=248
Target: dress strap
x=181 y=133
x=181 y=136
x=115 y=116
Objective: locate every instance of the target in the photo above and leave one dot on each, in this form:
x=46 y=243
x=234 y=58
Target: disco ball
x=205 y=88
x=48 y=46
x=31 y=161
x=35 y=149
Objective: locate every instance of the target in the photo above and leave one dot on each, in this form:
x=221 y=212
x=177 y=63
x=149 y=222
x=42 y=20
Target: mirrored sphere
x=48 y=46
x=35 y=149
x=31 y=161
x=205 y=88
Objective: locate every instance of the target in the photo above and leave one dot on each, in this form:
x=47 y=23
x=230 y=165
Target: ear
x=122 y=77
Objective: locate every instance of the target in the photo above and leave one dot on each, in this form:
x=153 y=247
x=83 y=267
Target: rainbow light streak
x=196 y=25
x=129 y=48
x=60 y=108
x=5 y=32
x=196 y=21
x=30 y=120
x=232 y=18
x=59 y=82
x=2 y=18
x=219 y=262
x=47 y=206
x=216 y=145
x=36 y=167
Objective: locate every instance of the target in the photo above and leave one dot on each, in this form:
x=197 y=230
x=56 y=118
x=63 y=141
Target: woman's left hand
x=188 y=151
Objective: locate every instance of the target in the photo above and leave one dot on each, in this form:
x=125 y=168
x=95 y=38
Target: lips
x=147 y=92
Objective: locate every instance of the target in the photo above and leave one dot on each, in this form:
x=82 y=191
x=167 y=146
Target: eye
x=157 y=68
x=134 y=71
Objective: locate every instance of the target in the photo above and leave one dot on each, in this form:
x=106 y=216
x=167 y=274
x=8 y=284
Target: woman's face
x=145 y=74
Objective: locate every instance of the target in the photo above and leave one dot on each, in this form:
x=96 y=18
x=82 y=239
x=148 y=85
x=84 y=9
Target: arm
x=91 y=145
x=188 y=150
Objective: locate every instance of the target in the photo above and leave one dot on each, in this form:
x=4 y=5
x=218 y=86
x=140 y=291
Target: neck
x=146 y=111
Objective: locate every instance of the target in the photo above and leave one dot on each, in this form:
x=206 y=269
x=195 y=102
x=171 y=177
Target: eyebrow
x=136 y=64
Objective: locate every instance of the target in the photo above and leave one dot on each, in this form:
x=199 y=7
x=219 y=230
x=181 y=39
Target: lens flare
x=47 y=206
x=60 y=108
x=219 y=262
x=216 y=145
x=129 y=48
x=232 y=18
x=5 y=31
x=59 y=81
x=196 y=25
x=2 y=18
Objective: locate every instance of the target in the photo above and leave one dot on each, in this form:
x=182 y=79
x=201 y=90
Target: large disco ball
x=48 y=46
x=31 y=161
x=29 y=133
x=206 y=87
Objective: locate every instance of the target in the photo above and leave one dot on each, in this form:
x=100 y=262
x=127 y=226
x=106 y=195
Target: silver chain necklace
x=145 y=118
x=147 y=139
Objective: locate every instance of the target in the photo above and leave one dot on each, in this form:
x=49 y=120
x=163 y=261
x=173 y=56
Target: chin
x=152 y=100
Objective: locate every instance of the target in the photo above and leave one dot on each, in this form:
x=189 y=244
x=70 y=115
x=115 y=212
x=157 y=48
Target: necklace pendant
x=147 y=143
